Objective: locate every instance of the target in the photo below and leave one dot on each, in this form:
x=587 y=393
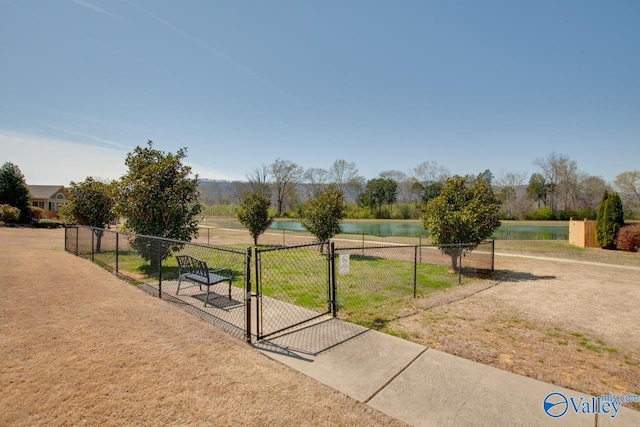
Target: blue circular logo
x=555 y=405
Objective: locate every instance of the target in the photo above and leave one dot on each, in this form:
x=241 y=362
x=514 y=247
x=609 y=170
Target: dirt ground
x=78 y=346
x=566 y=323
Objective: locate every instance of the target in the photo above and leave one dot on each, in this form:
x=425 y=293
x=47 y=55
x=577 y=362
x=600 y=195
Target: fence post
x=208 y=229
x=420 y=246
x=256 y=260
x=247 y=297
x=77 y=239
x=415 y=271
x=117 y=250
x=93 y=232
x=333 y=300
x=493 y=254
x=160 y=278
x=460 y=268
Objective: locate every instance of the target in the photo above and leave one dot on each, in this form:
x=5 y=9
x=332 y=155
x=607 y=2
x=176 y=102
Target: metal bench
x=195 y=270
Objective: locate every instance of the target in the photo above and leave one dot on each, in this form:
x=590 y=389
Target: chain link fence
x=292 y=286
x=150 y=262
x=288 y=285
x=375 y=284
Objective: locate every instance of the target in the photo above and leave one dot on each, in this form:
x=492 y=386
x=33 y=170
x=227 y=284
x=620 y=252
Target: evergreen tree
x=609 y=220
x=465 y=212
x=253 y=213
x=14 y=191
x=321 y=216
x=90 y=203
x=157 y=197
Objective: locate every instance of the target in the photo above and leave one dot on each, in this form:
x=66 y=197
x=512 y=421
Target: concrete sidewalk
x=426 y=387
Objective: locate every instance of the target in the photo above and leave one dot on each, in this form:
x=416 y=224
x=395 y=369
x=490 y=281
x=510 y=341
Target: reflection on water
x=532 y=232
x=414 y=229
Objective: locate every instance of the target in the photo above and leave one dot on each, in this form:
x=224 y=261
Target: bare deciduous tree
x=628 y=184
x=561 y=174
x=509 y=184
x=342 y=172
x=286 y=176
x=258 y=181
x=317 y=179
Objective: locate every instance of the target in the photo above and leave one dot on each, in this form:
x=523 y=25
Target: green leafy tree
x=253 y=213
x=609 y=220
x=321 y=215
x=465 y=212
x=537 y=189
x=158 y=197
x=14 y=191
x=90 y=203
x=379 y=192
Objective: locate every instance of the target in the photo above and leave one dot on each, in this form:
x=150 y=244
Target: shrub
x=586 y=213
x=36 y=213
x=51 y=215
x=47 y=223
x=545 y=214
x=629 y=238
x=9 y=213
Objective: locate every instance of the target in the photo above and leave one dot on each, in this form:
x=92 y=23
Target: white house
x=47 y=197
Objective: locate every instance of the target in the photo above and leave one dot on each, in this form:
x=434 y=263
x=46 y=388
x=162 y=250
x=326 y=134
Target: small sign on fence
x=344 y=264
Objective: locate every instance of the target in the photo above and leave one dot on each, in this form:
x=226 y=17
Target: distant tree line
x=557 y=189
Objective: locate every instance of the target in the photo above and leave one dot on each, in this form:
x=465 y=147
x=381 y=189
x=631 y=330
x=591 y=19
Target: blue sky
x=469 y=84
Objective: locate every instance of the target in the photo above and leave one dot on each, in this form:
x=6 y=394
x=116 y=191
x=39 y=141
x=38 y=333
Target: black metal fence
x=277 y=288
x=292 y=286
x=375 y=284
x=150 y=262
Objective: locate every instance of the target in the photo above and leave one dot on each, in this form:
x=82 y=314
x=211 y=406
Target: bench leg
x=179 y=280
x=206 y=298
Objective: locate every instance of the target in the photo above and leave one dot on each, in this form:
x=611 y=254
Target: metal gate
x=293 y=286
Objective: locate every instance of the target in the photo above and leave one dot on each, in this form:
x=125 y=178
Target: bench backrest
x=189 y=264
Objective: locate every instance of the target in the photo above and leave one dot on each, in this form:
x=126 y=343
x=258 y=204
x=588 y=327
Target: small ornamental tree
x=253 y=213
x=158 y=197
x=609 y=220
x=321 y=216
x=14 y=191
x=90 y=203
x=465 y=212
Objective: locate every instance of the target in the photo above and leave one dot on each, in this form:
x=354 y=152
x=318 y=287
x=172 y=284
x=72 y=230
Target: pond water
x=414 y=229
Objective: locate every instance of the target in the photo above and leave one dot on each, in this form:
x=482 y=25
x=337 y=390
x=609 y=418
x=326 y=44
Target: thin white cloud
x=204 y=45
x=99 y=10
x=59 y=25
x=53 y=161
x=95 y=138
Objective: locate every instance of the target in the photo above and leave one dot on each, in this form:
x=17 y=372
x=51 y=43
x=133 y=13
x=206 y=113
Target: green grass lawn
x=375 y=290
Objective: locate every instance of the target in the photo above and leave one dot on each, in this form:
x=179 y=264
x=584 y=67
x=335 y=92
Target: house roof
x=44 y=191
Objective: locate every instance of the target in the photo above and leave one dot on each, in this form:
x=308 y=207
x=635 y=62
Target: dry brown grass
x=81 y=347
x=570 y=325
x=574 y=325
